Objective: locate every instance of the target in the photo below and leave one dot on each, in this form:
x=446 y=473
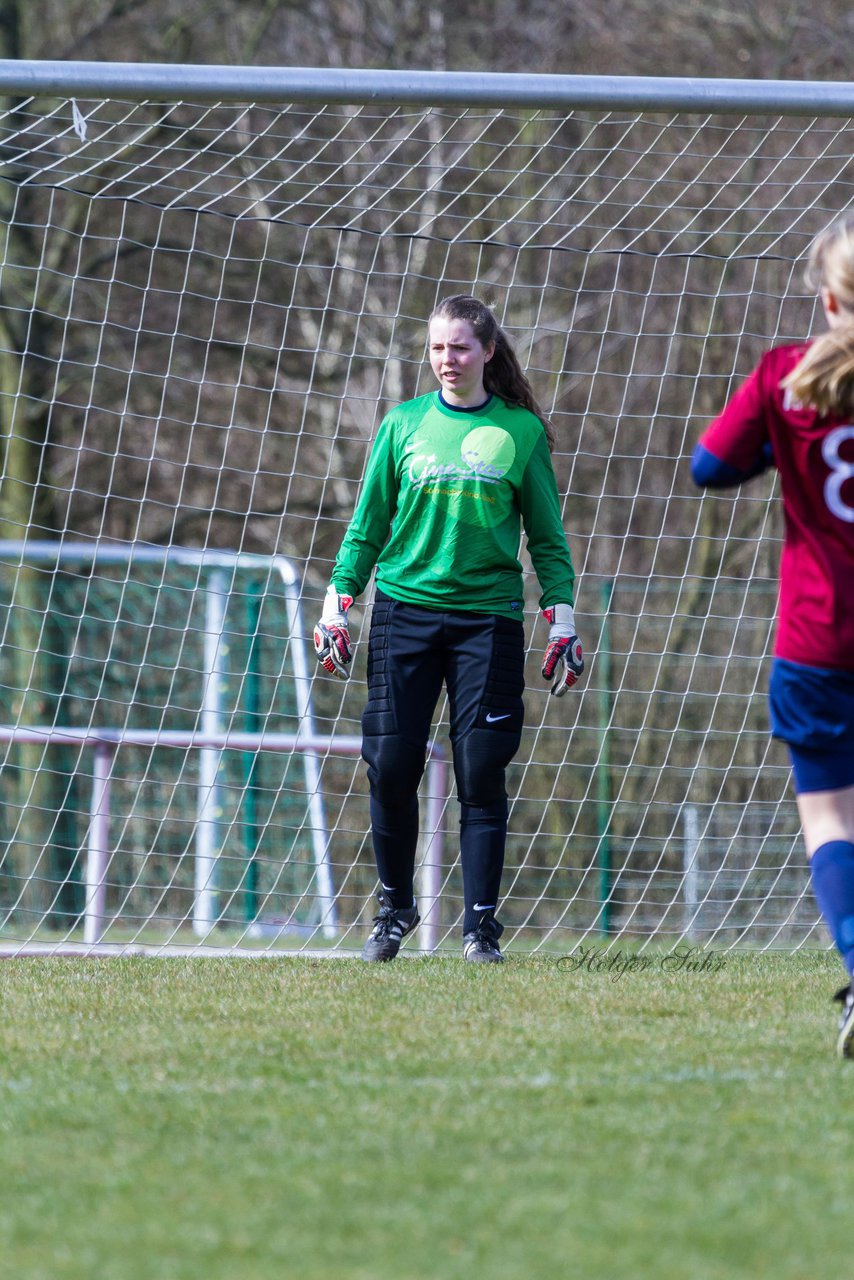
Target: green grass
x=196 y=1119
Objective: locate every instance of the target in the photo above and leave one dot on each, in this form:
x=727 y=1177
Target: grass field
x=328 y=1120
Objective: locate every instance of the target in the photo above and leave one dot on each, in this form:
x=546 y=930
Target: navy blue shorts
x=812 y=711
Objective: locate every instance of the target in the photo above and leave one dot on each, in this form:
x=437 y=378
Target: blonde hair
x=824 y=377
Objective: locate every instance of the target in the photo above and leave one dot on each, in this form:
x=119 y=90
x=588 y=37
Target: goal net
x=206 y=309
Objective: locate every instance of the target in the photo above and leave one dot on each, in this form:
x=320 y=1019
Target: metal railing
x=106 y=742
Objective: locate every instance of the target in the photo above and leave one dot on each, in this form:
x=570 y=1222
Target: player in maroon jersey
x=796 y=412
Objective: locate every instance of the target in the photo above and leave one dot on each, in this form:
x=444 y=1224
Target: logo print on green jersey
x=461 y=483
x=489 y=451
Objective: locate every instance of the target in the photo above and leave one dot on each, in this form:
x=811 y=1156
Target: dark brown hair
x=502 y=375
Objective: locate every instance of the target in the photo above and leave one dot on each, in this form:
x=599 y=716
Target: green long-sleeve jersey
x=440 y=509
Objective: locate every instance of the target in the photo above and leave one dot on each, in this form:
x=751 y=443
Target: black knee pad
x=480 y=758
x=395 y=767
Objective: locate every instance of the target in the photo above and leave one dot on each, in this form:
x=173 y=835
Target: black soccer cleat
x=390 y=928
x=845 y=1039
x=481 y=945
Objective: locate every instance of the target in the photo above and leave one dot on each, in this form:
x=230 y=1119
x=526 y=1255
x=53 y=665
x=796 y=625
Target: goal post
x=214 y=283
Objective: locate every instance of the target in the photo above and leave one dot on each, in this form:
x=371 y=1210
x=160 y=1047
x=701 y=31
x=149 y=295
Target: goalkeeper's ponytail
x=824 y=378
x=503 y=375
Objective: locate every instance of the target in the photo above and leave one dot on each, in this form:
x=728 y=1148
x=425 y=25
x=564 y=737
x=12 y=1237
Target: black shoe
x=481 y=945
x=390 y=928
x=845 y=1039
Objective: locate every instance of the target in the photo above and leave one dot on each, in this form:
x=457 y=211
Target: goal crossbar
x=215 y=83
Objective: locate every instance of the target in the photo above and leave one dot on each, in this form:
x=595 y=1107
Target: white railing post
x=311 y=764
x=430 y=871
x=691 y=870
x=98 y=854
x=208 y=808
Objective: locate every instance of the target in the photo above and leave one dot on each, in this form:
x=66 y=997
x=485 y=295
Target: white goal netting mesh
x=205 y=312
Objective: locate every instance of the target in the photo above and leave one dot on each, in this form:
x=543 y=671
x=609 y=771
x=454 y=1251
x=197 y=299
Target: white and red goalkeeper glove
x=563 y=661
x=332 y=635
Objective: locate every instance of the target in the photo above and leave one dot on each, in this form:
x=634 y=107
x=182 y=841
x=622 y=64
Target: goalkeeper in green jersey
x=452 y=478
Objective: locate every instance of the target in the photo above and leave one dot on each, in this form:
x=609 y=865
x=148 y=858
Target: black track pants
x=480 y=658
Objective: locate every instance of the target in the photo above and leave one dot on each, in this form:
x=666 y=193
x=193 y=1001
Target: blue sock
x=832 y=870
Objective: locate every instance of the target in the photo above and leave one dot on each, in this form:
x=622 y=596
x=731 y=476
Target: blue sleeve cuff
x=709 y=472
